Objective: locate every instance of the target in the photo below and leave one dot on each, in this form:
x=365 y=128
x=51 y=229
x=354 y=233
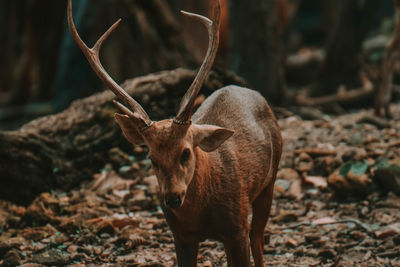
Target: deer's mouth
x=174 y=201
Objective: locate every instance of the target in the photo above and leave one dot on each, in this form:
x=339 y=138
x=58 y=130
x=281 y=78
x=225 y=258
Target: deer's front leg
x=186 y=253
x=238 y=251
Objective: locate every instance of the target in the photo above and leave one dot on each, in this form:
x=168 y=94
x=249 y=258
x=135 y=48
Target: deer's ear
x=129 y=129
x=210 y=137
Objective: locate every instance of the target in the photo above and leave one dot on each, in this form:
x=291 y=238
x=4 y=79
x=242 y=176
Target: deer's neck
x=201 y=181
x=201 y=185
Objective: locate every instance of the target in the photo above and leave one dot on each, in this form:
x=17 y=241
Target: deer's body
x=228 y=180
x=213 y=166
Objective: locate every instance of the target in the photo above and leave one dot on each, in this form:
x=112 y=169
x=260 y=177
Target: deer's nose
x=173 y=202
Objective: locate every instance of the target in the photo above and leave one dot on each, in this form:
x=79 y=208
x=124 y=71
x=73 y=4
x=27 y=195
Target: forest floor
x=336 y=204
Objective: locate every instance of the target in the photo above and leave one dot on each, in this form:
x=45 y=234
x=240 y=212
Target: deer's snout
x=174 y=200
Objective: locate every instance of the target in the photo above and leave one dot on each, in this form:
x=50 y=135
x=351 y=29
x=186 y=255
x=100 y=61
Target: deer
x=214 y=166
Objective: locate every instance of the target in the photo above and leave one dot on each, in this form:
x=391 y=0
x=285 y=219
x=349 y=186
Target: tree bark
x=42 y=61
x=255 y=51
x=392 y=55
x=353 y=20
x=61 y=150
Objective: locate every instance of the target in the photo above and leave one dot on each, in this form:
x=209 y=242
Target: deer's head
x=171 y=142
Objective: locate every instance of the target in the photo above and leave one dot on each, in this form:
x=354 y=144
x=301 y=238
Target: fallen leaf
x=291 y=242
x=285 y=216
x=316 y=181
x=393 y=229
x=120 y=221
x=295 y=189
x=288 y=174
x=281 y=185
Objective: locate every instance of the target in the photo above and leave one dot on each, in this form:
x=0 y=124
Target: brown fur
x=218 y=188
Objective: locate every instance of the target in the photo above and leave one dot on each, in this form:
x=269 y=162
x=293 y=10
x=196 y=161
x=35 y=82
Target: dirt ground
x=337 y=203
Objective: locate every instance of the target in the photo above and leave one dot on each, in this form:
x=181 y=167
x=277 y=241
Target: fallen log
x=342 y=96
x=62 y=150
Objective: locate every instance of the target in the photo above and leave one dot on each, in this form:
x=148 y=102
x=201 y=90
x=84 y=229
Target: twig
x=389 y=254
x=351 y=220
x=316 y=151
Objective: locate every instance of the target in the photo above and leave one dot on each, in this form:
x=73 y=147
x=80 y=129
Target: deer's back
x=252 y=154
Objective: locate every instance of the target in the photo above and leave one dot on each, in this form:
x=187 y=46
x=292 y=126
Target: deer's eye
x=185 y=156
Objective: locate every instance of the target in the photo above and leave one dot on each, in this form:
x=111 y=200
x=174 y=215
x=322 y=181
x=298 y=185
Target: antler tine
x=187 y=103
x=92 y=55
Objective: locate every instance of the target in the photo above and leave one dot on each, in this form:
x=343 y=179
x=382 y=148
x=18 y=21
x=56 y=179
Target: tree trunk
x=392 y=55
x=42 y=61
x=353 y=21
x=255 y=51
x=59 y=151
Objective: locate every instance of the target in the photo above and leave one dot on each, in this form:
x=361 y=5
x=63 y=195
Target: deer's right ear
x=129 y=129
x=210 y=137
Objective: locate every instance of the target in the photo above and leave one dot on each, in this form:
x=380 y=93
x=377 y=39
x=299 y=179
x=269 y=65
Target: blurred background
x=293 y=51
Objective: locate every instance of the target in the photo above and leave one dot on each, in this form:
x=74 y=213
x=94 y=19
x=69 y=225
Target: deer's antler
x=187 y=103
x=135 y=111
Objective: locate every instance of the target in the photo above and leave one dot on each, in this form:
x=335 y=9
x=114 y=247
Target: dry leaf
x=317 y=181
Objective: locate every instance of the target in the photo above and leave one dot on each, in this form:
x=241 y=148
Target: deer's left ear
x=210 y=137
x=129 y=129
